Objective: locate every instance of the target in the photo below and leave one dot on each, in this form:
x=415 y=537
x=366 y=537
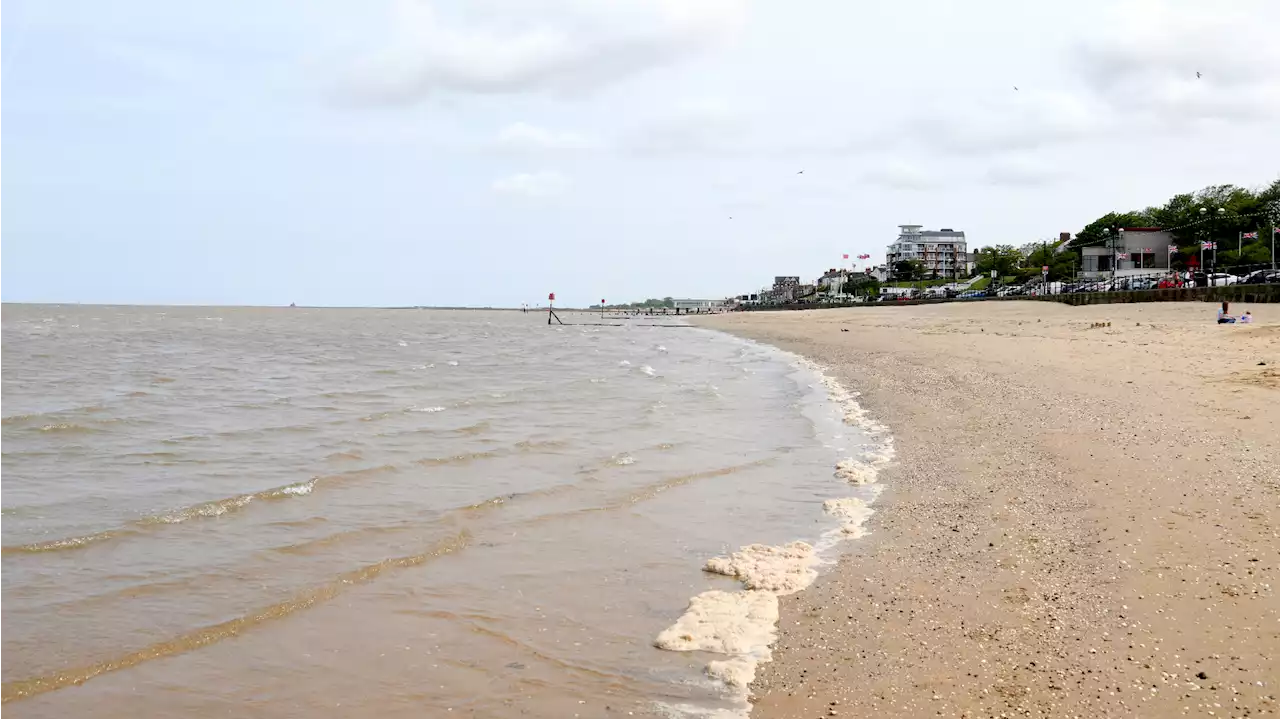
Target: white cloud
x=532 y=184
x=1143 y=64
x=1024 y=120
x=899 y=174
x=695 y=126
x=575 y=47
x=1021 y=171
x=524 y=137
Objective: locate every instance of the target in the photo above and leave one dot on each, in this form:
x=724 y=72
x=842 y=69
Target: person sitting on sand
x=1246 y=318
x=1223 y=317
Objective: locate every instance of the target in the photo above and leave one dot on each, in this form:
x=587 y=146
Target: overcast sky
x=487 y=152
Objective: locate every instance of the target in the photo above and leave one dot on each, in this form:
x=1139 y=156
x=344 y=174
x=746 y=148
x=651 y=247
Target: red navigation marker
x=551 y=297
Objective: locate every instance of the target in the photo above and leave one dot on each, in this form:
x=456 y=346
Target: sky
x=488 y=152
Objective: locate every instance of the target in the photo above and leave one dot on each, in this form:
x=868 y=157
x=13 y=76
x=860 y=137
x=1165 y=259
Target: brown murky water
x=292 y=513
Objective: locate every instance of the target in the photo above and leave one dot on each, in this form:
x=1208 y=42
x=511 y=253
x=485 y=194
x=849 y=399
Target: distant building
x=944 y=253
x=697 y=305
x=1133 y=250
x=832 y=282
x=784 y=288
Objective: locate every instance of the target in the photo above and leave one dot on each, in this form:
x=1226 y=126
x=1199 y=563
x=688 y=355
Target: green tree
x=1004 y=259
x=861 y=285
x=907 y=270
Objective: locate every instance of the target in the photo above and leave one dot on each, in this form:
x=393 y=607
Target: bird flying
x=1197 y=74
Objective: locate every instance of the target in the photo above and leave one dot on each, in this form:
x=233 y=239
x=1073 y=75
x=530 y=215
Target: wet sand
x=1082 y=520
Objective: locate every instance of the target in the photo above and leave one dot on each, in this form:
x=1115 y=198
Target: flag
x=846 y=255
x=1206 y=245
x=1173 y=248
x=1250 y=235
x=1122 y=255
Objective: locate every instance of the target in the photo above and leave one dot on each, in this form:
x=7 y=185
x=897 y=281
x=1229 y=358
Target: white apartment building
x=942 y=252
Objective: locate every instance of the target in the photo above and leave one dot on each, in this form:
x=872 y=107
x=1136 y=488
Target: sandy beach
x=1082 y=518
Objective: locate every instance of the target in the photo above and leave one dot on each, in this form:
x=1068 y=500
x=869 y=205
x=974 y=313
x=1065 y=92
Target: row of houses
x=942 y=253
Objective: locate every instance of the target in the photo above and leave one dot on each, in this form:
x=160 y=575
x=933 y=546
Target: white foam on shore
x=743 y=625
x=780 y=570
x=865 y=469
x=852 y=512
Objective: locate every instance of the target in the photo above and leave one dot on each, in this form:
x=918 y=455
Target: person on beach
x=1246 y=318
x=1223 y=317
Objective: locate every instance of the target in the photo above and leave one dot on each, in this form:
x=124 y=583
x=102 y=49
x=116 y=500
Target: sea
x=292 y=513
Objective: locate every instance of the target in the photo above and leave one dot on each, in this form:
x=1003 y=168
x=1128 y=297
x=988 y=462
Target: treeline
x=1228 y=213
x=647 y=304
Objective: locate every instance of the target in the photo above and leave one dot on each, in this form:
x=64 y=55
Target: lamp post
x=1207 y=216
x=1112 y=237
x=1275 y=213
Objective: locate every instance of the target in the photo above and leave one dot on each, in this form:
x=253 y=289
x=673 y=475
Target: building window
x=1143 y=259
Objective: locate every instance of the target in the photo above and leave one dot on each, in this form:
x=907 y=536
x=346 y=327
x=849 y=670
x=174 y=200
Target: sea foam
x=743 y=625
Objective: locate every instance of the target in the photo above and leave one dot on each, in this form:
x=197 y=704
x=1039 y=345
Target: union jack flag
x=1122 y=255
x=1250 y=235
x=1208 y=245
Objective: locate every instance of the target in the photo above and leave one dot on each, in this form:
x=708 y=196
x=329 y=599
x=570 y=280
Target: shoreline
x=1081 y=518
x=739 y=627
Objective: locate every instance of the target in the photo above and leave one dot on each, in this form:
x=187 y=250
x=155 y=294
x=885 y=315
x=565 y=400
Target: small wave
x=463 y=458
x=624 y=363
x=351 y=454
x=472 y=429
x=181 y=644
x=55 y=545
x=428 y=409
x=162 y=380
x=452 y=363
x=293 y=490
x=660 y=348
x=207 y=509
x=622 y=460
x=68 y=428
x=216 y=508
x=648 y=371
x=402 y=343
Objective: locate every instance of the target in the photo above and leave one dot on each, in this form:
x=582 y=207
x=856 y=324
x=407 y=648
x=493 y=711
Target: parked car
x=1222 y=279
x=1261 y=277
x=1142 y=283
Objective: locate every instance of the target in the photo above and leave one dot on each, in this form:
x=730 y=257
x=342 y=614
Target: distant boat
x=293 y=304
